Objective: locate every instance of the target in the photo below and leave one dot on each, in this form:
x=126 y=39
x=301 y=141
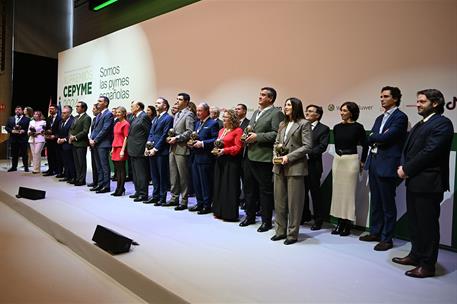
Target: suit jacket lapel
x=291 y=132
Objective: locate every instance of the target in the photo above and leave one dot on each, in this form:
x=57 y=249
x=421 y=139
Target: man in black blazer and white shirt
x=136 y=144
x=17 y=127
x=425 y=169
x=320 y=137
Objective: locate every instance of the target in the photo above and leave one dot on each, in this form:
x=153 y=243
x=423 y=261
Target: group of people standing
x=270 y=162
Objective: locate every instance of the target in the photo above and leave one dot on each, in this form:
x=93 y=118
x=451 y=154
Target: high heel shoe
x=338 y=228
x=118 y=192
x=346 y=229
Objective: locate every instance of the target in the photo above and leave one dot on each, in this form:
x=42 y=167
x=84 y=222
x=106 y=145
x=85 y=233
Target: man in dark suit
x=65 y=146
x=17 y=127
x=52 y=125
x=425 y=169
x=159 y=154
x=241 y=111
x=183 y=125
x=79 y=139
x=386 y=140
x=203 y=161
x=214 y=114
x=258 y=171
x=101 y=139
x=93 y=153
x=136 y=144
x=320 y=137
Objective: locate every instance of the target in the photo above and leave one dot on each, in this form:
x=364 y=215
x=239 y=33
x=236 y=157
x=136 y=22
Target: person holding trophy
x=227 y=168
x=290 y=167
x=36 y=130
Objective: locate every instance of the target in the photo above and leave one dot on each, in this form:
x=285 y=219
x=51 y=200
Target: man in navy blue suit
x=101 y=139
x=203 y=161
x=159 y=153
x=387 y=138
x=65 y=147
x=425 y=169
x=17 y=127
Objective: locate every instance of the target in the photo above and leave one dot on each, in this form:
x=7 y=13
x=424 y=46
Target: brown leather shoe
x=407 y=260
x=420 y=272
x=383 y=246
x=370 y=238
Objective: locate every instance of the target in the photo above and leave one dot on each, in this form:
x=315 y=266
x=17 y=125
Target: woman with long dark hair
x=292 y=144
x=346 y=166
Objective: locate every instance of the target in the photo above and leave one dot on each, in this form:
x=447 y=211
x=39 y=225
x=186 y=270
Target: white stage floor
x=185 y=257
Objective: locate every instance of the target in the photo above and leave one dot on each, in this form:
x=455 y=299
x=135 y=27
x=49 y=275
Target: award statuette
x=149 y=146
x=279 y=151
x=48 y=134
x=171 y=133
x=218 y=144
x=17 y=129
x=246 y=132
x=193 y=138
x=32 y=131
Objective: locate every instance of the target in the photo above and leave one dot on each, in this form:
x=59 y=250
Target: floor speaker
x=111 y=241
x=30 y=193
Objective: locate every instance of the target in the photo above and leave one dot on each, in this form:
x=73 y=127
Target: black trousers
x=423 y=212
x=93 y=155
x=259 y=187
x=120 y=172
x=19 y=149
x=79 y=157
x=140 y=174
x=313 y=187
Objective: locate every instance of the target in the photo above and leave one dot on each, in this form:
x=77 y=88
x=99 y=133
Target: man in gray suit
x=136 y=143
x=183 y=125
x=258 y=171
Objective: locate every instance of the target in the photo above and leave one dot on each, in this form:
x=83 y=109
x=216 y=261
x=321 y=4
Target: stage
x=185 y=257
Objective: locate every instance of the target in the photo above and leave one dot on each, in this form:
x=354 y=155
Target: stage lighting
x=96 y=5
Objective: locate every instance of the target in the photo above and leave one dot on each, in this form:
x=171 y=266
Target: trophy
x=48 y=134
x=32 y=131
x=17 y=129
x=149 y=145
x=246 y=132
x=193 y=138
x=280 y=151
x=171 y=133
x=218 y=144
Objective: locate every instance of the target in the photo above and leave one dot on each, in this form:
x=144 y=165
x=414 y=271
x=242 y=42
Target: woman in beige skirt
x=346 y=166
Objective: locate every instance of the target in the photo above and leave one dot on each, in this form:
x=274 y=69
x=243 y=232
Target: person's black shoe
x=159 y=203
x=12 y=169
x=91 y=185
x=264 y=227
x=133 y=195
x=205 y=210
x=80 y=184
x=48 y=174
x=141 y=198
x=247 y=222
x=95 y=188
x=64 y=179
x=290 y=241
x=180 y=208
x=152 y=200
x=278 y=237
x=71 y=181
x=316 y=226
x=60 y=175
x=26 y=169
x=170 y=204
x=103 y=190
x=196 y=208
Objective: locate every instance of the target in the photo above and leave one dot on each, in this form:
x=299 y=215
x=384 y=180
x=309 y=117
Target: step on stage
x=185 y=257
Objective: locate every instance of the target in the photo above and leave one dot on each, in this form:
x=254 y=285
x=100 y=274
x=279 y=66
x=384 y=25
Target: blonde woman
x=36 y=139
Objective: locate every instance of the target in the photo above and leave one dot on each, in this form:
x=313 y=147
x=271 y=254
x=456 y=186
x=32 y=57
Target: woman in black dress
x=227 y=169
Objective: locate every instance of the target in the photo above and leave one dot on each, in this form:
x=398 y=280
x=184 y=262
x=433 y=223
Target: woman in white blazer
x=36 y=139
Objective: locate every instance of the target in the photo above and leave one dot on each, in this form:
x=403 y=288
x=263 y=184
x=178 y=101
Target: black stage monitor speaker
x=111 y=241
x=30 y=193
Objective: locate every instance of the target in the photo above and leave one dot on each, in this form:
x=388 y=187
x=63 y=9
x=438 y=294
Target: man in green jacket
x=258 y=163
